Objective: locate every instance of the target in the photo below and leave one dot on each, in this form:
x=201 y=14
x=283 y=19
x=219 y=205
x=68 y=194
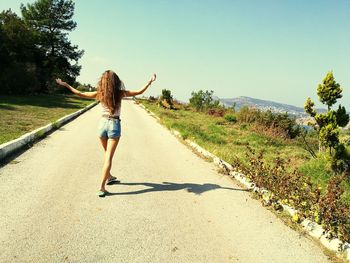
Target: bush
x=203 y=100
x=230 y=118
x=276 y=124
x=85 y=88
x=166 y=95
x=216 y=112
x=283 y=122
x=346 y=140
x=296 y=189
x=166 y=99
x=340 y=159
x=19 y=78
x=292 y=188
x=152 y=98
x=248 y=115
x=334 y=213
x=243 y=127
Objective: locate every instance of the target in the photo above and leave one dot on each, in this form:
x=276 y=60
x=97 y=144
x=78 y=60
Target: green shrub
x=277 y=124
x=166 y=99
x=166 y=95
x=230 y=118
x=346 y=140
x=297 y=190
x=292 y=188
x=203 y=100
x=248 y=115
x=243 y=127
x=334 y=213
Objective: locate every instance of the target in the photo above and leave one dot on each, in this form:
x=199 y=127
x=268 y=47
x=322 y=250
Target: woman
x=110 y=91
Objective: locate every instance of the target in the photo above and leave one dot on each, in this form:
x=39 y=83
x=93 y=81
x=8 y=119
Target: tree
x=18 y=55
x=329 y=91
x=51 y=20
x=166 y=95
x=203 y=100
x=327 y=124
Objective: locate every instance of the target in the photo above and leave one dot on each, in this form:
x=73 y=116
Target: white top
x=105 y=110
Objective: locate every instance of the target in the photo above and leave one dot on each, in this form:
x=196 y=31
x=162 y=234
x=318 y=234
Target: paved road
x=172 y=206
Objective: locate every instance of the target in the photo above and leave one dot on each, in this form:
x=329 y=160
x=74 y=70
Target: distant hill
x=265 y=105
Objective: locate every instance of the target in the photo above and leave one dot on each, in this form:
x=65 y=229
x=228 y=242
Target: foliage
x=152 y=98
x=248 y=115
x=85 y=87
x=295 y=189
x=329 y=91
x=292 y=188
x=216 y=112
x=237 y=135
x=327 y=124
x=18 y=53
x=166 y=99
x=307 y=138
x=233 y=107
x=51 y=20
x=230 y=118
x=35 y=49
x=202 y=100
x=334 y=213
x=278 y=124
x=346 y=140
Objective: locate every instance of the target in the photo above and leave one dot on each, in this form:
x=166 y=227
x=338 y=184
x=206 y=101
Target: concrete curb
x=313 y=229
x=8 y=148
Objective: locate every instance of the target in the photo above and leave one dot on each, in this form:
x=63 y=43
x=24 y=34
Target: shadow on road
x=167 y=186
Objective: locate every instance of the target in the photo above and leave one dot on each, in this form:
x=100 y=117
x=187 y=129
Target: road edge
x=11 y=147
x=312 y=228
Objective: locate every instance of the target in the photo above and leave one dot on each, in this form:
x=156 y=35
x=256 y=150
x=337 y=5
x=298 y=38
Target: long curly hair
x=110 y=90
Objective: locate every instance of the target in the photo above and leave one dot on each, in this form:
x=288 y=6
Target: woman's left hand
x=153 y=78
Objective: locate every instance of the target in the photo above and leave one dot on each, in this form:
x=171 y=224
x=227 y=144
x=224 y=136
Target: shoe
x=102 y=193
x=112 y=180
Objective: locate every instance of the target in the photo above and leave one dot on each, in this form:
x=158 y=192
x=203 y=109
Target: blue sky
x=274 y=49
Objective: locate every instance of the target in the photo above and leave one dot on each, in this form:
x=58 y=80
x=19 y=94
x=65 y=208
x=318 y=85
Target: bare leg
x=104 y=145
x=109 y=153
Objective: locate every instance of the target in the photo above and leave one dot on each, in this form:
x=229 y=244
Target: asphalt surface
x=171 y=205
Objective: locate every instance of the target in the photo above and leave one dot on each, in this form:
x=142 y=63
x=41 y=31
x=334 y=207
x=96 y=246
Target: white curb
x=313 y=229
x=6 y=149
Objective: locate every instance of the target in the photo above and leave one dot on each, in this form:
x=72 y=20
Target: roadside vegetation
x=35 y=48
x=305 y=168
x=22 y=114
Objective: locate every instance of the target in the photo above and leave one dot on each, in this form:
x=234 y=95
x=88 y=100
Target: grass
x=22 y=114
x=223 y=138
x=229 y=140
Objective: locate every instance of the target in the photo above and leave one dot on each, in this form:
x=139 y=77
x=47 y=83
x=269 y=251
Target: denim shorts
x=109 y=128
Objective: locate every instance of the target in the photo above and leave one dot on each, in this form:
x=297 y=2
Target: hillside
x=265 y=105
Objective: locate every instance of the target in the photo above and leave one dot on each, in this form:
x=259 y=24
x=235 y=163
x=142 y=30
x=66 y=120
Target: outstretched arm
x=130 y=93
x=88 y=95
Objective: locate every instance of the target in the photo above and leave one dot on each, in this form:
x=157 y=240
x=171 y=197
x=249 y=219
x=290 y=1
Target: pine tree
x=18 y=55
x=327 y=124
x=51 y=20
